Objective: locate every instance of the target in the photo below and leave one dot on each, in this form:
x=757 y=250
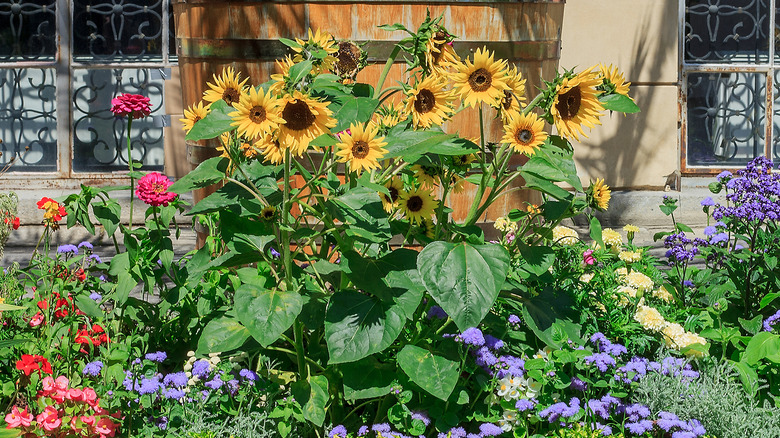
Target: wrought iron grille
x=730 y=77
x=61 y=63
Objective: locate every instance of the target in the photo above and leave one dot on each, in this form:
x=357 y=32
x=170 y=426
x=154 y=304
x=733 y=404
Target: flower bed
x=301 y=316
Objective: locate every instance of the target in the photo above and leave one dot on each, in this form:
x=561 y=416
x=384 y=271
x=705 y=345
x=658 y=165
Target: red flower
x=16 y=223
x=27 y=365
x=133 y=105
x=54 y=211
x=153 y=189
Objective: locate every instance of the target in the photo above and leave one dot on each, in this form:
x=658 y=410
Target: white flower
x=532 y=389
x=587 y=277
x=564 y=235
x=505 y=387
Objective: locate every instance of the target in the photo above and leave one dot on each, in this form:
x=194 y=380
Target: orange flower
x=53 y=210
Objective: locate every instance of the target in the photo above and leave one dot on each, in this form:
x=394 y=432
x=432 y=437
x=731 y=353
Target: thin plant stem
x=386 y=70
x=130 y=166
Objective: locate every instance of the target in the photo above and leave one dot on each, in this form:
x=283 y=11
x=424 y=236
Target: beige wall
x=640 y=38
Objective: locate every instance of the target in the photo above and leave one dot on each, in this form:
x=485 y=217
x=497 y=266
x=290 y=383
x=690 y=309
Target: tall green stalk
x=130 y=165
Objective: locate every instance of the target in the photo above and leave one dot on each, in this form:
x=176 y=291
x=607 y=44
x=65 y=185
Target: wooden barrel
x=213 y=34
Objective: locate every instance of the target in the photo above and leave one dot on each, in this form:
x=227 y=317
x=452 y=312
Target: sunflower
x=417 y=204
x=257 y=113
x=395 y=187
x=350 y=59
x=599 y=195
x=429 y=103
x=457 y=184
x=361 y=147
x=463 y=160
x=426 y=175
x=226 y=87
x=305 y=119
x=320 y=40
x=390 y=115
x=192 y=115
x=269 y=146
x=576 y=104
x=481 y=81
x=268 y=212
x=613 y=81
x=277 y=87
x=513 y=97
x=525 y=133
x=427 y=228
x=439 y=54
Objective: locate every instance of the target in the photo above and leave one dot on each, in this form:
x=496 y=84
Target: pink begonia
x=587 y=257
x=153 y=189
x=36 y=320
x=133 y=105
x=49 y=419
x=18 y=418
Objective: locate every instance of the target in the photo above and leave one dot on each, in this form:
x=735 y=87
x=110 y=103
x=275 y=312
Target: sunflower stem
x=531 y=105
x=286 y=222
x=388 y=65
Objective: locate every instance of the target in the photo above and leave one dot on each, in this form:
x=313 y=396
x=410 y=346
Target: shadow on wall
x=637 y=151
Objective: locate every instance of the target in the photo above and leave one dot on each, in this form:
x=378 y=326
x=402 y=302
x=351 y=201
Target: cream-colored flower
x=650 y=318
x=662 y=294
x=672 y=333
x=564 y=235
x=639 y=281
x=621 y=272
x=611 y=237
x=587 y=277
x=627 y=291
x=504 y=224
x=630 y=256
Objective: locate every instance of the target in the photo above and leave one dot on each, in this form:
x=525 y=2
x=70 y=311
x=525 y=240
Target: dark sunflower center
x=195 y=119
x=480 y=80
x=268 y=213
x=414 y=204
x=231 y=95
x=347 y=57
x=425 y=101
x=298 y=115
x=360 y=149
x=524 y=136
x=507 y=102
x=257 y=114
x=393 y=194
x=569 y=103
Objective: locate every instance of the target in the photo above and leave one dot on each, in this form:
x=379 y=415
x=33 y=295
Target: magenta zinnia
x=153 y=189
x=133 y=105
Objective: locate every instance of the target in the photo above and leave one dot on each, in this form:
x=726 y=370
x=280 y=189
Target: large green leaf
x=4 y=307
x=367 y=378
x=464 y=279
x=764 y=345
x=266 y=313
x=619 y=102
x=378 y=277
x=4 y=345
x=412 y=144
x=312 y=395
x=435 y=374
x=355 y=110
x=207 y=173
x=108 y=215
x=747 y=375
x=361 y=210
x=222 y=334
x=536 y=259
x=549 y=312
x=358 y=325
x=215 y=123
x=537 y=182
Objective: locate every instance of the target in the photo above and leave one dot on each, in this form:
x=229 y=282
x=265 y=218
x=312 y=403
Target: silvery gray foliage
x=200 y=424
x=716 y=398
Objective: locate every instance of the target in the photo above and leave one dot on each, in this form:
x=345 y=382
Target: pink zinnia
x=153 y=189
x=133 y=105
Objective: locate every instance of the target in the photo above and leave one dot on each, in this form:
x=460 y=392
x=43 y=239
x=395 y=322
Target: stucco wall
x=640 y=38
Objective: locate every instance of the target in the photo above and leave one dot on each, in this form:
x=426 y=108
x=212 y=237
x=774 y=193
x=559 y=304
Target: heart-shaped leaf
x=266 y=313
x=312 y=395
x=222 y=334
x=435 y=374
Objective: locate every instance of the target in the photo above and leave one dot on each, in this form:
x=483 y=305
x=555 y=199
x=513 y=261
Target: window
x=61 y=63
x=730 y=83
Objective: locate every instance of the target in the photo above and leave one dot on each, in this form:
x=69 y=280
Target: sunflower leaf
x=215 y=123
x=435 y=374
x=619 y=102
x=266 y=313
x=299 y=71
x=207 y=173
x=355 y=110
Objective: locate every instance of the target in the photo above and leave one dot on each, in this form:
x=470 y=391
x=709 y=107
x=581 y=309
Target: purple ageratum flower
x=561 y=410
x=363 y=431
x=489 y=429
x=639 y=427
x=484 y=357
x=437 y=312
x=338 y=432
x=514 y=320
x=422 y=416
x=724 y=175
x=493 y=342
x=636 y=412
x=95 y=258
x=214 y=383
x=201 y=368
x=707 y=202
x=248 y=375
x=719 y=238
x=149 y=386
x=93 y=368
x=67 y=250
x=578 y=384
x=668 y=421
x=158 y=356
x=683 y=434
x=696 y=427
x=472 y=336
x=509 y=366
x=525 y=404
x=769 y=323
x=599 y=408
x=605 y=430
x=381 y=428
x=602 y=361
x=85 y=245
x=174 y=393
x=710 y=230
x=177 y=380
x=94 y=296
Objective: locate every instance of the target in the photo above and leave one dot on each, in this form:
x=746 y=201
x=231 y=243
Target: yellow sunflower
x=390 y=115
x=192 y=115
x=228 y=86
x=525 y=133
x=463 y=160
x=269 y=146
x=305 y=119
x=361 y=147
x=510 y=102
x=439 y=54
x=429 y=103
x=426 y=175
x=599 y=195
x=457 y=184
x=320 y=40
x=427 y=227
x=396 y=187
x=576 y=104
x=612 y=78
x=277 y=88
x=417 y=205
x=257 y=113
x=484 y=80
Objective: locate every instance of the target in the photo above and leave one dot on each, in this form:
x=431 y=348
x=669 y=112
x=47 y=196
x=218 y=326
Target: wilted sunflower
x=525 y=133
x=484 y=80
x=510 y=101
x=613 y=81
x=429 y=103
x=457 y=184
x=439 y=54
x=427 y=176
x=599 y=195
x=320 y=40
x=257 y=113
x=361 y=147
x=576 y=104
x=269 y=146
x=395 y=187
x=417 y=205
x=305 y=119
x=193 y=114
x=227 y=86
x=350 y=59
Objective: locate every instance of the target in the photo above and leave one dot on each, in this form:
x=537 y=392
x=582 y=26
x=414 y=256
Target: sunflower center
x=425 y=101
x=257 y=114
x=507 y=101
x=360 y=149
x=569 y=103
x=414 y=204
x=393 y=193
x=298 y=115
x=524 y=136
x=347 y=57
x=480 y=80
x=231 y=95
